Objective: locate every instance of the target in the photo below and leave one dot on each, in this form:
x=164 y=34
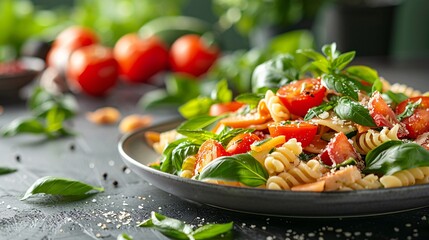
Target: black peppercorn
x=104 y=176
x=115 y=183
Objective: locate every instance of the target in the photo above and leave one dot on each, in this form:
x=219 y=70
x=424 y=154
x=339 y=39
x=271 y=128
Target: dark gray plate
x=136 y=154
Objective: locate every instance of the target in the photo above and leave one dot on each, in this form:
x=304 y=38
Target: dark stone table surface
x=93 y=153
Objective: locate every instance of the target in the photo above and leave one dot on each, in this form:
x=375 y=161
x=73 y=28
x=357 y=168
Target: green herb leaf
x=341 y=84
x=167 y=160
x=274 y=73
x=124 y=236
x=310 y=53
x=342 y=61
x=364 y=73
x=177 y=229
x=228 y=133
x=60 y=186
x=409 y=109
x=181 y=151
x=241 y=168
x=211 y=230
x=199 y=123
x=17 y=126
x=222 y=93
x=350 y=110
x=5 y=170
x=196 y=107
x=316 y=111
x=395 y=97
x=395 y=156
x=250 y=98
x=330 y=51
x=198 y=136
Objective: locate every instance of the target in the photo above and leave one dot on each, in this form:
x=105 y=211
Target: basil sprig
x=316 y=111
x=409 y=109
x=241 y=168
x=177 y=229
x=394 y=156
x=5 y=170
x=61 y=187
x=49 y=115
x=341 y=84
x=350 y=110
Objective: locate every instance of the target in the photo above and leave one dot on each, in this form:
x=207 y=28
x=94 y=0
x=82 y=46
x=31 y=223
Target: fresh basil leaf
x=54 y=120
x=409 y=109
x=41 y=101
x=371 y=155
x=197 y=135
x=350 y=110
x=395 y=97
x=241 y=168
x=198 y=123
x=160 y=98
x=250 y=98
x=181 y=151
x=341 y=84
x=316 y=111
x=228 y=133
x=196 y=107
x=170 y=227
x=364 y=73
x=60 y=186
x=310 y=53
x=124 y=236
x=395 y=157
x=222 y=93
x=5 y=170
x=330 y=51
x=350 y=161
x=342 y=61
x=274 y=73
x=17 y=126
x=212 y=230
x=322 y=65
x=166 y=159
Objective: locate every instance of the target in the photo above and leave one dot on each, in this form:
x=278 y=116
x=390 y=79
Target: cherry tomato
x=209 y=151
x=302 y=95
x=418 y=123
x=383 y=115
x=190 y=54
x=241 y=143
x=139 y=59
x=93 y=70
x=75 y=37
x=338 y=150
x=304 y=132
x=221 y=108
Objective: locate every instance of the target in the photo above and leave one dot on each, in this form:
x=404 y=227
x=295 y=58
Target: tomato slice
x=383 y=115
x=302 y=95
x=209 y=151
x=304 y=132
x=241 y=143
x=418 y=123
x=221 y=108
x=338 y=150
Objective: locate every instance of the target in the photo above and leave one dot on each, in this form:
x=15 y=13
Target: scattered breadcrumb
x=134 y=122
x=105 y=115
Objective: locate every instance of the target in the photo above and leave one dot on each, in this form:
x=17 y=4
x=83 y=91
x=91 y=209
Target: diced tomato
x=338 y=150
x=383 y=115
x=221 y=108
x=302 y=95
x=423 y=140
x=209 y=151
x=241 y=143
x=304 y=132
x=418 y=123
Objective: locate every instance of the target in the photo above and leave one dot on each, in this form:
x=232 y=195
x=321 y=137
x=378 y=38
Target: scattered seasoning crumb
x=368 y=234
x=72 y=147
x=104 y=176
x=94 y=200
x=408 y=225
x=91 y=165
x=8 y=206
x=111 y=163
x=115 y=183
x=124 y=168
x=98 y=235
x=108 y=197
x=18 y=158
x=264 y=228
x=396 y=229
x=424 y=218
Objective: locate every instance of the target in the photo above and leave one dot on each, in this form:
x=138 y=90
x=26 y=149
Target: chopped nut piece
x=134 y=122
x=106 y=115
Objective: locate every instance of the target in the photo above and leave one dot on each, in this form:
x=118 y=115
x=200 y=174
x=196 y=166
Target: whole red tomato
x=75 y=37
x=302 y=95
x=139 y=59
x=66 y=42
x=93 y=70
x=190 y=54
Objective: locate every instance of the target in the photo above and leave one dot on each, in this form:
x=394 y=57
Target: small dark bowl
x=11 y=84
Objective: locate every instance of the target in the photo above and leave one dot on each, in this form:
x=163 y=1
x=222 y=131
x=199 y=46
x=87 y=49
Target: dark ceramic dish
x=137 y=154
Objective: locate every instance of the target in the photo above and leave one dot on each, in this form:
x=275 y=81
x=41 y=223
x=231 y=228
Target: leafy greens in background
x=5 y=170
x=49 y=115
x=61 y=187
x=177 y=229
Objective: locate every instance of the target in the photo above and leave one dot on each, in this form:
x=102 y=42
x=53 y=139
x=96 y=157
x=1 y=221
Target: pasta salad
x=317 y=126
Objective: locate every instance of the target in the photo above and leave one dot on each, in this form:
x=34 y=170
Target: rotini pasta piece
x=303 y=173
x=333 y=122
x=402 y=88
x=284 y=157
x=406 y=177
x=277 y=110
x=371 y=139
x=165 y=138
x=188 y=167
x=368 y=182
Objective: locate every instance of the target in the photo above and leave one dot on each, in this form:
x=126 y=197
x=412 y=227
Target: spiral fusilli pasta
x=407 y=177
x=368 y=182
x=188 y=167
x=402 y=88
x=284 y=157
x=369 y=140
x=277 y=110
